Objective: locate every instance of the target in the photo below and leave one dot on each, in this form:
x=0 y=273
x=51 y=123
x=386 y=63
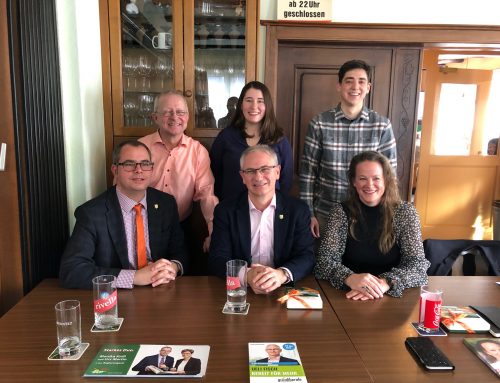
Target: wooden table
x=378 y=329
x=185 y=312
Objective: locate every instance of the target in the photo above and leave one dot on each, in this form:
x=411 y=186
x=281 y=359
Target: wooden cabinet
x=205 y=49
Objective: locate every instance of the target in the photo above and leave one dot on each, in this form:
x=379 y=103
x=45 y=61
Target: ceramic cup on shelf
x=162 y=40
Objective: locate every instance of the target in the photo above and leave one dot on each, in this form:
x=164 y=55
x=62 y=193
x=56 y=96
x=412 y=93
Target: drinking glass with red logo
x=429 y=314
x=105 y=302
x=236 y=284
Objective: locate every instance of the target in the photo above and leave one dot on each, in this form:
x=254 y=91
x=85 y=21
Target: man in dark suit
x=104 y=238
x=160 y=360
x=274 y=356
x=262 y=226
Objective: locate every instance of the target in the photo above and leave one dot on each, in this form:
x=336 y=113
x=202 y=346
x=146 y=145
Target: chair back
x=462 y=257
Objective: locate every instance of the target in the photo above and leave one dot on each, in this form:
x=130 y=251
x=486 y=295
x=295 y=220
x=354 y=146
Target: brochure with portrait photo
x=149 y=361
x=271 y=362
x=486 y=349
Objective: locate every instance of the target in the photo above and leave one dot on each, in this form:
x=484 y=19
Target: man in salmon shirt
x=182 y=166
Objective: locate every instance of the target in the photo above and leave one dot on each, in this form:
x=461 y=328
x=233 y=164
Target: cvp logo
x=103 y=305
x=232 y=283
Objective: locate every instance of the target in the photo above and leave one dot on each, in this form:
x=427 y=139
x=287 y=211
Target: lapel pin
x=281 y=216
x=156 y=206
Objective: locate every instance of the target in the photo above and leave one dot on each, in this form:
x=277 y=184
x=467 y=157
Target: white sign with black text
x=302 y=10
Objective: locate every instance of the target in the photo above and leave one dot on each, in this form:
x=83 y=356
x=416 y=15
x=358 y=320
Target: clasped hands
x=365 y=286
x=264 y=279
x=156 y=273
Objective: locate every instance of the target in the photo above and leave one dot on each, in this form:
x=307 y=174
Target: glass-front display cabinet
x=204 y=49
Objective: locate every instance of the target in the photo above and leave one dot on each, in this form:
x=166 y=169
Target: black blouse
x=362 y=254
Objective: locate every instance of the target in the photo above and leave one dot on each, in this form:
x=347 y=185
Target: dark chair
x=443 y=253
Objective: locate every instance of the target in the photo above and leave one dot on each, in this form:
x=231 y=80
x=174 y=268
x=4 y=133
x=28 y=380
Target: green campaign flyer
x=149 y=360
x=275 y=362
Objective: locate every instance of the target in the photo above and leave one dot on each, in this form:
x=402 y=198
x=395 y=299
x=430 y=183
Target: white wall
x=81 y=83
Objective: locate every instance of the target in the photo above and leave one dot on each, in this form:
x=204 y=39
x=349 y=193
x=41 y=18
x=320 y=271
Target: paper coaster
x=54 y=355
x=420 y=332
x=227 y=310
x=111 y=329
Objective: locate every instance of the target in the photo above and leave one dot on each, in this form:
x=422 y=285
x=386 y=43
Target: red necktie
x=140 y=238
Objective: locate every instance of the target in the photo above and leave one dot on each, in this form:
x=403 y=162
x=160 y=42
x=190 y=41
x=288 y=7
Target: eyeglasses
x=130 y=166
x=178 y=113
x=264 y=170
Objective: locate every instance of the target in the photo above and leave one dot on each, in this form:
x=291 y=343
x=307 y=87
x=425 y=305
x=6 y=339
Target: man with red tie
x=130 y=231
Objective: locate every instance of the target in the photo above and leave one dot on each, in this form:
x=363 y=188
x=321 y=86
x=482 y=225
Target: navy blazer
x=151 y=360
x=192 y=367
x=293 y=241
x=98 y=245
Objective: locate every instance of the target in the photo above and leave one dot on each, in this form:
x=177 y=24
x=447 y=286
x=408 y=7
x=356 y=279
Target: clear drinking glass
x=236 y=284
x=68 y=323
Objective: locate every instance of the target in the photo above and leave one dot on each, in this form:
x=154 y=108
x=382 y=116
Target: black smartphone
x=494 y=330
x=428 y=354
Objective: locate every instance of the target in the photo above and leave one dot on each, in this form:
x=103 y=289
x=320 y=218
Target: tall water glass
x=105 y=301
x=236 y=284
x=69 y=330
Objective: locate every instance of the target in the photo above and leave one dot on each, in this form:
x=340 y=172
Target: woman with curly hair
x=372 y=244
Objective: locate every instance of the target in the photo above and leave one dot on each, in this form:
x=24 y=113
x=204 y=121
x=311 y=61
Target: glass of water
x=69 y=330
x=236 y=284
x=105 y=302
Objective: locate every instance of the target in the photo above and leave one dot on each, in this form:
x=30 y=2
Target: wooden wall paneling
x=403 y=113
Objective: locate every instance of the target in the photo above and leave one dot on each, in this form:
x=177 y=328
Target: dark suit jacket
x=192 y=367
x=293 y=241
x=98 y=244
x=151 y=360
x=442 y=253
x=283 y=359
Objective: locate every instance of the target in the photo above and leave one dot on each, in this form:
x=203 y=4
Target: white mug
x=162 y=40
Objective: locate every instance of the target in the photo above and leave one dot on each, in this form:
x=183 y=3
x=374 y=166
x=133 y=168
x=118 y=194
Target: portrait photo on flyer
x=275 y=361
x=148 y=360
x=486 y=349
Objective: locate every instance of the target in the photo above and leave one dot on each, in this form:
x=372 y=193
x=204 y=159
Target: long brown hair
x=388 y=202
x=270 y=132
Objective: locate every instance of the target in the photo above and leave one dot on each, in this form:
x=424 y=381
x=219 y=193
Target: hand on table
x=365 y=286
x=156 y=273
x=264 y=279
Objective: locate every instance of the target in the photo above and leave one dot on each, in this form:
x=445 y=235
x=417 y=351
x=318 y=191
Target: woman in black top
x=372 y=244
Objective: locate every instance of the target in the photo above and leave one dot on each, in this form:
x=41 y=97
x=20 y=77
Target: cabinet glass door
x=219 y=60
x=147 y=66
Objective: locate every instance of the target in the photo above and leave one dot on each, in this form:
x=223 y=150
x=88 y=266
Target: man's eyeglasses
x=178 y=113
x=130 y=166
x=264 y=170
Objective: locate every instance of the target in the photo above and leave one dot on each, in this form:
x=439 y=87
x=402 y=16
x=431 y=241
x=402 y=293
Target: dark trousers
x=195 y=232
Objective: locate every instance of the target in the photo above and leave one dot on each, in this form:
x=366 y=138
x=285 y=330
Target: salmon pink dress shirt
x=183 y=172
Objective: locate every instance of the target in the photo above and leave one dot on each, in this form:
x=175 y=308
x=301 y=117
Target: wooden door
x=306 y=86
x=456 y=187
x=11 y=280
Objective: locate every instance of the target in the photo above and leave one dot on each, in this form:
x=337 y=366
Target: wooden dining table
x=187 y=311
x=378 y=329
